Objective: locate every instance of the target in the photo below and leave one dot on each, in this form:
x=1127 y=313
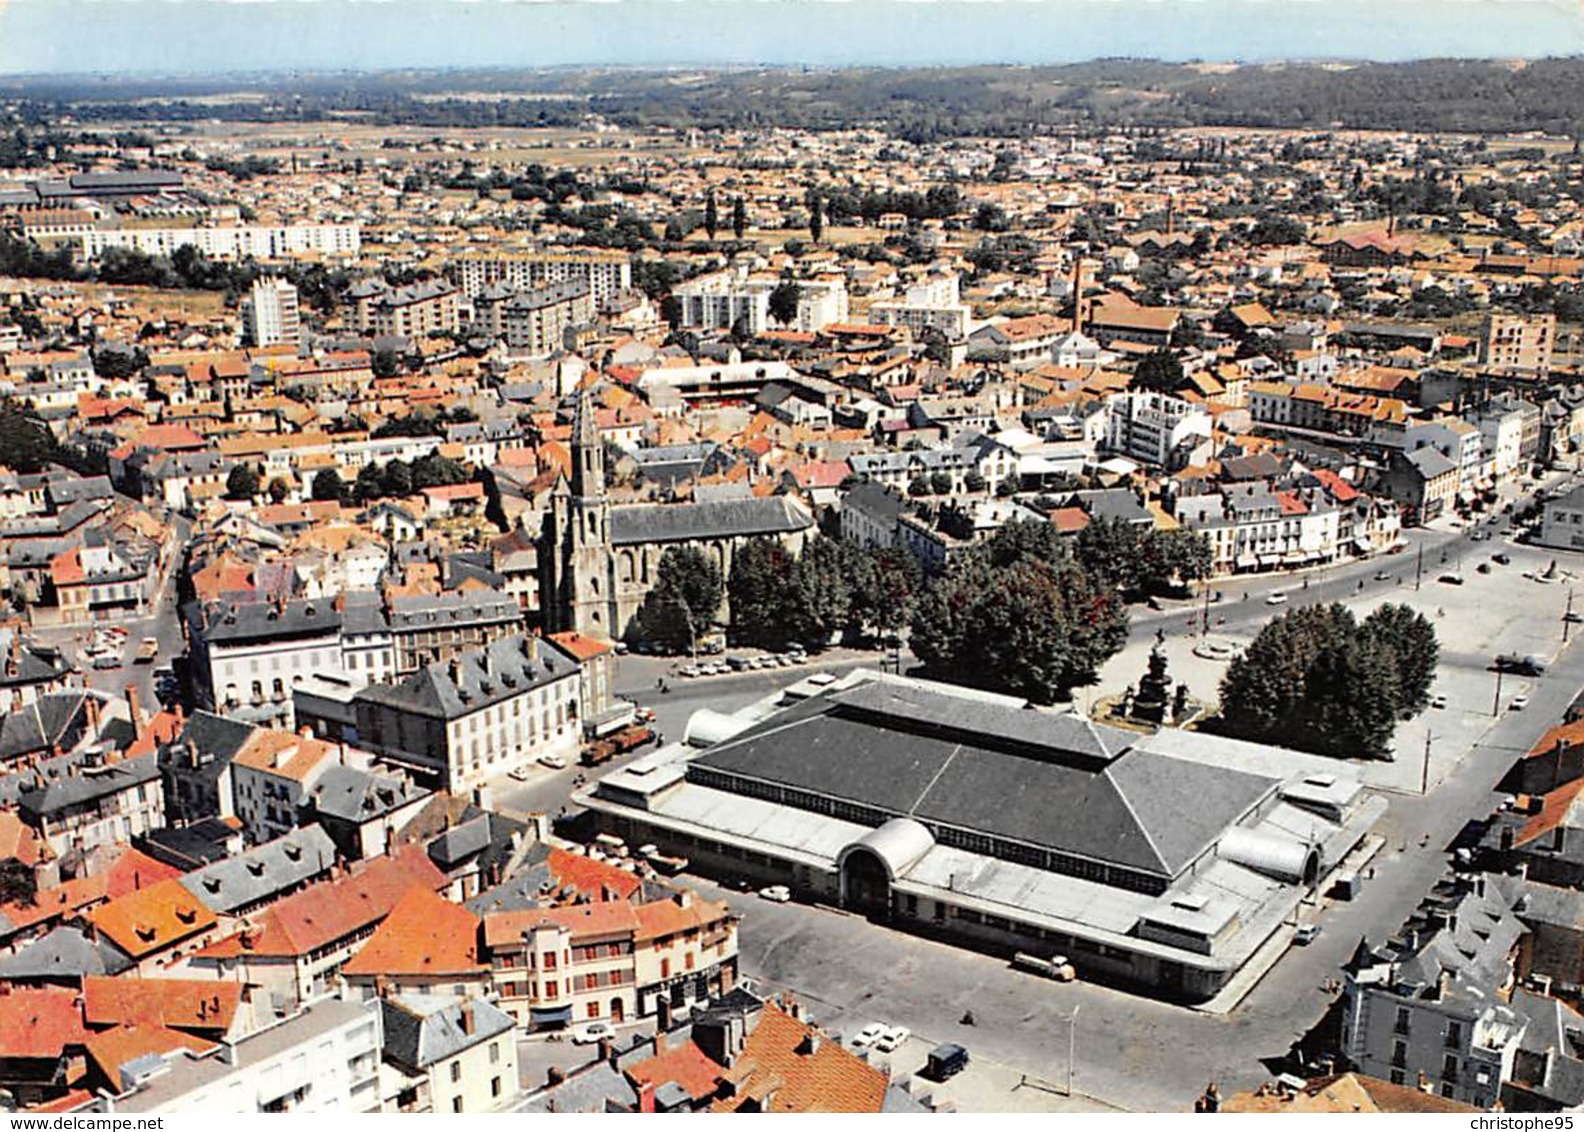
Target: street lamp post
x=1072 y=1045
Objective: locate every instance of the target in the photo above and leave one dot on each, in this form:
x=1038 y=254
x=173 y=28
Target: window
x=593 y=1010
x=665 y=968
x=494 y=1054
x=495 y=1086
x=1403 y=1016
x=456 y=1104
x=1454 y=1035
x=1399 y=1057
x=550 y=989
x=456 y=1072
x=1449 y=1069
x=1398 y=1077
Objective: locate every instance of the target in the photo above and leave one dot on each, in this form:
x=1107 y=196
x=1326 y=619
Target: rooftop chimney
x=135 y=710
x=468 y=1022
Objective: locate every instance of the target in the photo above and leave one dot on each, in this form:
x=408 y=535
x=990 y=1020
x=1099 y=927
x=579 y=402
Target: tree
x=370 y=484
x=761 y=573
x=1172 y=556
x=1319 y=681
x=397 y=479
x=328 y=486
x=817 y=219
x=973 y=481
x=684 y=600
x=819 y=603
x=278 y=490
x=940 y=483
x=18 y=883
x=385 y=363
x=114 y=363
x=242 y=482
x=711 y=215
x=1034 y=629
x=1109 y=549
x=1158 y=372
x=739 y=218
x=919 y=486
x=26 y=445
x=1411 y=637
x=886 y=588
x=784 y=301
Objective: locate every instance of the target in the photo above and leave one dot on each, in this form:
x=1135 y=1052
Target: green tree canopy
x=328 y=486
x=784 y=301
x=1159 y=372
x=684 y=600
x=242 y=482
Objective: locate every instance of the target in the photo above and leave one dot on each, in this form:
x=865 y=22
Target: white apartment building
x=324 y=1058
x=724 y=299
x=270 y=314
x=1455 y=439
x=1156 y=429
x=607 y=273
x=257 y=241
x=252 y=655
x=933 y=304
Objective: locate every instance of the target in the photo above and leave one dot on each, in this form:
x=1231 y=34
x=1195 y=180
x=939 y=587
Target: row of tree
x=1320 y=680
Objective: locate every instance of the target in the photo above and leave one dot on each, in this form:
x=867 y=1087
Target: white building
x=270 y=315
x=324 y=1058
x=607 y=274
x=1156 y=429
x=725 y=299
x=934 y=303
x=256 y=241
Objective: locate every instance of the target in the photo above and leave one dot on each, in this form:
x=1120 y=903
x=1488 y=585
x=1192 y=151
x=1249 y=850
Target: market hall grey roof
x=1058 y=782
x=726 y=518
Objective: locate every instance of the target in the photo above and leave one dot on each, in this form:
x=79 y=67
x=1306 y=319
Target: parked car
x=1502 y=559
x=776 y=893
x=1519 y=702
x=553 y=762
x=892 y=1039
x=1451 y=579
x=591 y=1032
x=1306 y=934
x=1383 y=576
x=867 y=1036
x=519 y=773
x=1277 y=598
x=1438 y=702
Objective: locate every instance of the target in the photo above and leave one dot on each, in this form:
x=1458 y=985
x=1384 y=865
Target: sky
x=187 y=37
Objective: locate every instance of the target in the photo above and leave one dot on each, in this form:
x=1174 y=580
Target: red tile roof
x=1553 y=811
x=590 y=877
x=111 y=1050
x=39 y=1023
x=780 y=1067
x=134 y=870
x=184 y=1004
x=425 y=934
x=151 y=919
x=668 y=917
x=685 y=1064
x=331 y=910
x=582 y=921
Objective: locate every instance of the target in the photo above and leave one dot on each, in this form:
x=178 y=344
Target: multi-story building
x=272 y=777
x=430 y=628
x=611 y=959
x=1166 y=432
x=1431 y=1005
x=248 y=656
x=535 y=322
x=270 y=315
x=1254 y=528
x=607 y=274
x=323 y=1058
x=933 y=304
x=1509 y=433
x=480 y=715
x=416 y=310
x=1512 y=343
x=253 y=241
x=445 y=1054
x=1563 y=522
x=733 y=298
x=94 y=801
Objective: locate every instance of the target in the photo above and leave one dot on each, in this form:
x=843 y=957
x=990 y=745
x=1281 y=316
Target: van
x=946 y=1061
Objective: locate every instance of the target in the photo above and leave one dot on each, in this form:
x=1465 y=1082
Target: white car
x=1519 y=702
x=776 y=893
x=518 y=773
x=591 y=1032
x=870 y=1034
x=554 y=762
x=1277 y=598
x=892 y=1039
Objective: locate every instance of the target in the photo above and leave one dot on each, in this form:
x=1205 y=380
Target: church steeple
x=588 y=454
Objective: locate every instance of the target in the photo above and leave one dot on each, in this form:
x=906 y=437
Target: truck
x=1056 y=967
x=147 y=650
x=618 y=743
x=946 y=1061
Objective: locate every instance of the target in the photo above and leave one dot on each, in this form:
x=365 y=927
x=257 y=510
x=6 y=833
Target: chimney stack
x=135 y=710
x=469 y=1024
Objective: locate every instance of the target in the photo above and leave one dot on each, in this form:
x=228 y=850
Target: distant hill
x=1440 y=95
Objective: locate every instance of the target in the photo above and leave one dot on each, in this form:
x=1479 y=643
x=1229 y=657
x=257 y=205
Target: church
x=599 y=560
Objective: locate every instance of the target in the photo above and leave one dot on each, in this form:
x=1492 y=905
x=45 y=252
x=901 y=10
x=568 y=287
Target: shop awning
x=550 y=1016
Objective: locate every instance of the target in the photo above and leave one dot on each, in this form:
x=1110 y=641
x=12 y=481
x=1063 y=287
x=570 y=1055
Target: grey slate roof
x=423 y=611
x=65 y=954
x=265 y=621
x=89 y=785
x=261 y=872
x=728 y=518
x=356 y=795
x=498 y=672
x=1055 y=781
x=422 y=1029
x=598 y=1088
